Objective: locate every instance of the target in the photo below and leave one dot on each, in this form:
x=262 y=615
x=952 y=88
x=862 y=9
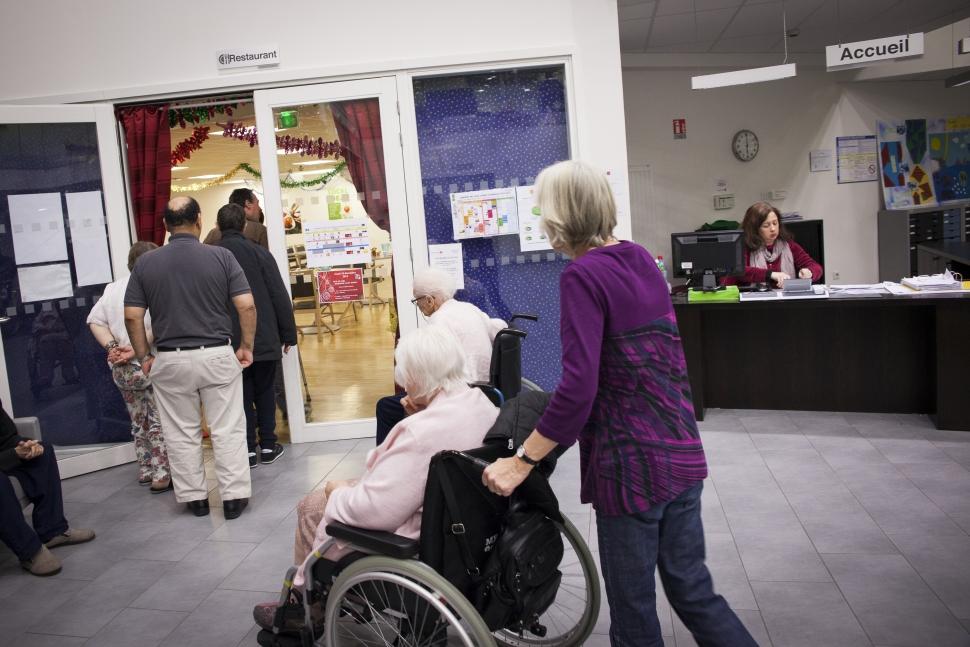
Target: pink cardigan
x=390 y=493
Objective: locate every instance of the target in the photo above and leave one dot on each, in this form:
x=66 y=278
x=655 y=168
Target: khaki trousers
x=184 y=381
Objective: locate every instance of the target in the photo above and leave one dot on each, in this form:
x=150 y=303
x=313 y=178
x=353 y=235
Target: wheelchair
x=505 y=369
x=397 y=591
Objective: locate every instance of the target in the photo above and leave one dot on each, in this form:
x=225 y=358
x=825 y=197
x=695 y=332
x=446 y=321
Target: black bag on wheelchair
x=521 y=576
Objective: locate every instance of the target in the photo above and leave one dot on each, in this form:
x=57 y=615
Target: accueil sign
x=868 y=51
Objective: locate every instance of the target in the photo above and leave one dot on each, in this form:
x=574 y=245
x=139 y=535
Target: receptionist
x=770 y=254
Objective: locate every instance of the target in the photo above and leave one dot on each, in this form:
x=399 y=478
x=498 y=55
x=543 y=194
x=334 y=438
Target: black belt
x=173 y=349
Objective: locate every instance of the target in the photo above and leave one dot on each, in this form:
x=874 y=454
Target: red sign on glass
x=340 y=285
x=680 y=129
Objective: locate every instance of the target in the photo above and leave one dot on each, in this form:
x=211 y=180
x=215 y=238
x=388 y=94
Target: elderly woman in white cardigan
x=388 y=496
x=434 y=293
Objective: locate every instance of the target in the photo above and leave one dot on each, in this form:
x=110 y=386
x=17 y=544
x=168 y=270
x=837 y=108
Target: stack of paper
x=932 y=282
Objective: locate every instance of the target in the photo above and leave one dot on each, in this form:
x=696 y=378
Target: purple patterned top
x=624 y=392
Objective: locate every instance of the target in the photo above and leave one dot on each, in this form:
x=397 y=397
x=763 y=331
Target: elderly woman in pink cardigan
x=388 y=496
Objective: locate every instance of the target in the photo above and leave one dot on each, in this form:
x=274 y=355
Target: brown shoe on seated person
x=42 y=564
x=71 y=536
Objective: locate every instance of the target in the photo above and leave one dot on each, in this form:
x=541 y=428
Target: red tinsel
x=185 y=148
x=305 y=146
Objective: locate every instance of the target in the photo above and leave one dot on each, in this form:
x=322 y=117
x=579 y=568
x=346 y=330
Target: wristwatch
x=522 y=456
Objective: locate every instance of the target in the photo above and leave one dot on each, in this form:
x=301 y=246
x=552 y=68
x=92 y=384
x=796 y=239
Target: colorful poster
x=337 y=286
x=924 y=162
x=482 y=214
x=857 y=159
x=332 y=243
x=531 y=236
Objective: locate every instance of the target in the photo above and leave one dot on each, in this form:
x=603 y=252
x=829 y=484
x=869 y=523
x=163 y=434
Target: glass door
x=335 y=209
x=63 y=235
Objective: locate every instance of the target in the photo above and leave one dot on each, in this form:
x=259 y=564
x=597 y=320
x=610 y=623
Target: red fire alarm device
x=680 y=129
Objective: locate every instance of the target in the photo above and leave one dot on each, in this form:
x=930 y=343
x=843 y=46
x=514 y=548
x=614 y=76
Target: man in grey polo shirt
x=189 y=288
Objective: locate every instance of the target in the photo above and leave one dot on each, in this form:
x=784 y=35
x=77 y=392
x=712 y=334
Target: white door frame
x=76 y=460
x=385 y=90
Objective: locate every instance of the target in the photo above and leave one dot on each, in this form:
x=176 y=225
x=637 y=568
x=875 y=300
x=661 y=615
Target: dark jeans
x=389 y=413
x=669 y=537
x=259 y=400
x=41 y=483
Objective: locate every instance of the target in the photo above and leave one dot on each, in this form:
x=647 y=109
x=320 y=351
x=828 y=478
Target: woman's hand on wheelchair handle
x=504 y=475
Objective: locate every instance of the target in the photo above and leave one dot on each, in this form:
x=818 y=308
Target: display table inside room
x=886 y=354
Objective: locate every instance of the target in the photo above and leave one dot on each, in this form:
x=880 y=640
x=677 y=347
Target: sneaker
x=42 y=564
x=71 y=536
x=270 y=455
x=253 y=461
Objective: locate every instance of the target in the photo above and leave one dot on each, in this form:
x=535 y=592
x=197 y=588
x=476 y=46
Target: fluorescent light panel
x=315 y=162
x=741 y=77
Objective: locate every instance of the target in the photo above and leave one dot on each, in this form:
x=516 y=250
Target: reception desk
x=880 y=354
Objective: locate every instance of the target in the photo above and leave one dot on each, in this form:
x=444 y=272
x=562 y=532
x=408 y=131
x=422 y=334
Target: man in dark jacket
x=35 y=467
x=275 y=327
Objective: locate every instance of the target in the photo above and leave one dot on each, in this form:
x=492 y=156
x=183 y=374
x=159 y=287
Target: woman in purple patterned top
x=625 y=396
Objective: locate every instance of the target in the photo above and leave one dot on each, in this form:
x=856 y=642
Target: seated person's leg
x=14 y=531
x=309 y=515
x=41 y=482
x=389 y=412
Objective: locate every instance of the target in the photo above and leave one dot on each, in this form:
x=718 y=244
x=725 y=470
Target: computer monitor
x=705 y=256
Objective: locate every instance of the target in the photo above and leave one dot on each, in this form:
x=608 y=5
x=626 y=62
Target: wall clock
x=744 y=145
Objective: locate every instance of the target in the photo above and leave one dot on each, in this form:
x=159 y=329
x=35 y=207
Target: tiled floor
x=823 y=530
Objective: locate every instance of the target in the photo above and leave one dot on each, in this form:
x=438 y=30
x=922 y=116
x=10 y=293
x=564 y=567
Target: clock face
x=745 y=145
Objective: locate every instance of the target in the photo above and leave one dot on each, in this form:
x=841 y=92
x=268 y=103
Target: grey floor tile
x=850 y=452
x=770 y=440
x=222 y=619
x=910 y=450
x=903 y=510
x=837 y=523
x=43 y=640
x=730 y=578
x=141 y=627
x=249 y=640
x=35 y=601
x=190 y=581
x=750 y=618
x=893 y=603
x=263 y=569
x=748 y=490
x=943 y=561
x=801 y=470
x=808 y=614
x=774 y=547
x=94 y=606
x=948 y=485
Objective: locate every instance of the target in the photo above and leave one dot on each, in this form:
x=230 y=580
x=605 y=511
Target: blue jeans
x=670 y=537
x=389 y=412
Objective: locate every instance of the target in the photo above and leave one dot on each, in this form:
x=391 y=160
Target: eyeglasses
x=415 y=300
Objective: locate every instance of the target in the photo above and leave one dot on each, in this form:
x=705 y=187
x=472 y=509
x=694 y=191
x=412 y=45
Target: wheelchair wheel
x=529 y=385
x=571 y=618
x=386 y=601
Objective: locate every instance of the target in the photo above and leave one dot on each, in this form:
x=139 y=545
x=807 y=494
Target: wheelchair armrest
x=377 y=541
x=28 y=427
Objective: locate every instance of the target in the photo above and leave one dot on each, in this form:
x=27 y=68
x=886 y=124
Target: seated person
x=388 y=496
x=770 y=254
x=433 y=294
x=35 y=467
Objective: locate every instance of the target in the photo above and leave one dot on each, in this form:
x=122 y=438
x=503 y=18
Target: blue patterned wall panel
x=492 y=130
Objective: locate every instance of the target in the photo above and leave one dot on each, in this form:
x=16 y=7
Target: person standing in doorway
x=254 y=228
x=275 y=327
x=189 y=288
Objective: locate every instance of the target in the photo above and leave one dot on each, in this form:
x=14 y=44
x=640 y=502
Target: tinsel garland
x=185 y=148
x=183 y=116
x=305 y=145
x=285 y=183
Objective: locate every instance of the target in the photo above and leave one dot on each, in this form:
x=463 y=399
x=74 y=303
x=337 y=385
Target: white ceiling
x=755 y=26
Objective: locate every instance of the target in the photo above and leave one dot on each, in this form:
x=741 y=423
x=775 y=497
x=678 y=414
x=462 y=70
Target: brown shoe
x=71 y=536
x=43 y=564
x=161 y=485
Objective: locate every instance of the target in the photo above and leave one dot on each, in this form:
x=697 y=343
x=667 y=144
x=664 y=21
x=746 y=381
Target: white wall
x=790 y=117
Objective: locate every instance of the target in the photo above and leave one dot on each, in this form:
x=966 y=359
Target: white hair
x=432 y=282
x=428 y=359
x=576 y=205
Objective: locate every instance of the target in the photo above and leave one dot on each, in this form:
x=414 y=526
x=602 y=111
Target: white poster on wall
x=531 y=236
x=37 y=225
x=44 y=282
x=333 y=243
x=89 y=238
x=481 y=214
x=857 y=159
x=448 y=259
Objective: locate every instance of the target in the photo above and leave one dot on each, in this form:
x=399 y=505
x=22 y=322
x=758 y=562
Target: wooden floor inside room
x=349 y=371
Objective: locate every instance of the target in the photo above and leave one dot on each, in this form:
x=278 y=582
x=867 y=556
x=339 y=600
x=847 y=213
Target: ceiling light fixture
x=315 y=162
x=204 y=177
x=179 y=168
x=215 y=133
x=751 y=75
x=957 y=80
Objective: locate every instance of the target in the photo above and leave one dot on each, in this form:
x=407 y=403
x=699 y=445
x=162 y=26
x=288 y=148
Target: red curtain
x=359 y=129
x=149 y=141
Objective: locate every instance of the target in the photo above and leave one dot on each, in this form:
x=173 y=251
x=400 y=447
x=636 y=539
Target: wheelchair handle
x=512 y=331
x=524 y=316
x=477 y=462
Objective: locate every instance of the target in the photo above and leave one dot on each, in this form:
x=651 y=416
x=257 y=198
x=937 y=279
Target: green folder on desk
x=730 y=294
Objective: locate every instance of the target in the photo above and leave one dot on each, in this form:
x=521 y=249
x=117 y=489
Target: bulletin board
x=924 y=162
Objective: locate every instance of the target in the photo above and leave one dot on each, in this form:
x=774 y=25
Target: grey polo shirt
x=188 y=288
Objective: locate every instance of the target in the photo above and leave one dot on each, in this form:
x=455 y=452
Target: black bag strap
x=457 y=527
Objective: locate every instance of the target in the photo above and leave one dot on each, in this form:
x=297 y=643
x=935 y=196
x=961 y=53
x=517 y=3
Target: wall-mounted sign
x=228 y=59
x=680 y=129
x=869 y=51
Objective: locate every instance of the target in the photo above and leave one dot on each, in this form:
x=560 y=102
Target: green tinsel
x=299 y=184
x=183 y=116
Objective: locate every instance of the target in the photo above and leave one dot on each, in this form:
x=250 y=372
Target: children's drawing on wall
x=924 y=161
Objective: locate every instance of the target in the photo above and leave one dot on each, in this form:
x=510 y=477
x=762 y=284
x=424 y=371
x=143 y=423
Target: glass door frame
x=114 y=194
x=385 y=90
